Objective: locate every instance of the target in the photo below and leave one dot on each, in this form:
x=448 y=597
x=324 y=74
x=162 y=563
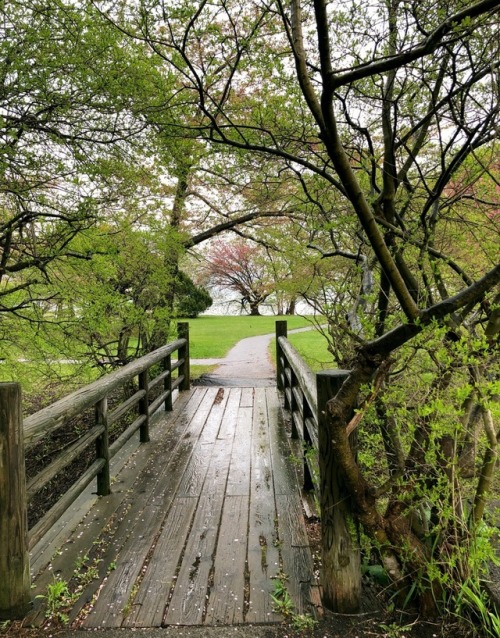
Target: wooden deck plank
x=297 y=565
x=227 y=586
x=200 y=520
x=287 y=506
x=284 y=476
x=263 y=552
x=228 y=424
x=152 y=591
x=294 y=545
x=212 y=413
x=263 y=561
x=155 y=485
x=181 y=453
x=216 y=459
x=238 y=481
x=143 y=519
x=216 y=477
x=117 y=596
x=189 y=599
x=246 y=400
x=295 y=553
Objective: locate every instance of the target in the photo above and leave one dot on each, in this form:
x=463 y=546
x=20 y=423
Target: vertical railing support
x=102 y=448
x=144 y=407
x=167 y=382
x=341 y=577
x=281 y=331
x=15 y=585
x=183 y=333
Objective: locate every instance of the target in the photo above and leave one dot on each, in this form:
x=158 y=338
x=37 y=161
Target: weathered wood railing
x=16 y=437
x=306 y=395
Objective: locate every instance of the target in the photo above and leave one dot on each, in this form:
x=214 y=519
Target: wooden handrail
x=298 y=384
x=304 y=375
x=15 y=587
x=55 y=415
x=306 y=396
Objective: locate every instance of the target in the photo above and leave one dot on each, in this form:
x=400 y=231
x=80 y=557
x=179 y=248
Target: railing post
x=167 y=382
x=281 y=331
x=144 y=407
x=339 y=533
x=15 y=585
x=102 y=447
x=183 y=333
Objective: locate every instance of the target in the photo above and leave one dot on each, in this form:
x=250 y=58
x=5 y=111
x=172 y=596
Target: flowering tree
x=239 y=266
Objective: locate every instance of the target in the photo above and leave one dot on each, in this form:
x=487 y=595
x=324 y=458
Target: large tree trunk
x=291 y=307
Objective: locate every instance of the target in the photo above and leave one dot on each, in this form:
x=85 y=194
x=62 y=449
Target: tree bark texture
x=340 y=548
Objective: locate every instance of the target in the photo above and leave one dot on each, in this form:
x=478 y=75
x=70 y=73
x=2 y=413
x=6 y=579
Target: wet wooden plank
x=263 y=560
x=154 y=487
x=263 y=552
x=238 y=482
x=189 y=599
x=179 y=453
x=246 y=400
x=284 y=475
x=115 y=595
x=262 y=479
x=297 y=565
x=291 y=520
x=146 y=607
x=295 y=553
x=211 y=413
x=135 y=534
x=155 y=588
x=227 y=585
x=216 y=477
x=228 y=425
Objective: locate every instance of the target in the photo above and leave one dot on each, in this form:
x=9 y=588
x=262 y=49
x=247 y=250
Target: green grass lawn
x=210 y=337
x=213 y=336
x=312 y=347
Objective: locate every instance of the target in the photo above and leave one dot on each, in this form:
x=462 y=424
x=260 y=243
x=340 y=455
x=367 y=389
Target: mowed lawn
x=211 y=337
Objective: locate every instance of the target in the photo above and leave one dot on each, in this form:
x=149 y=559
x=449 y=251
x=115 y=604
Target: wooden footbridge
x=199 y=522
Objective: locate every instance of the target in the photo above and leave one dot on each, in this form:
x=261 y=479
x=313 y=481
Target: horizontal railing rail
x=151 y=382
x=54 y=416
x=298 y=384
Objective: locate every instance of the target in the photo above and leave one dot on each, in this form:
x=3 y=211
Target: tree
x=192 y=299
x=66 y=127
x=77 y=145
x=385 y=114
x=239 y=266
